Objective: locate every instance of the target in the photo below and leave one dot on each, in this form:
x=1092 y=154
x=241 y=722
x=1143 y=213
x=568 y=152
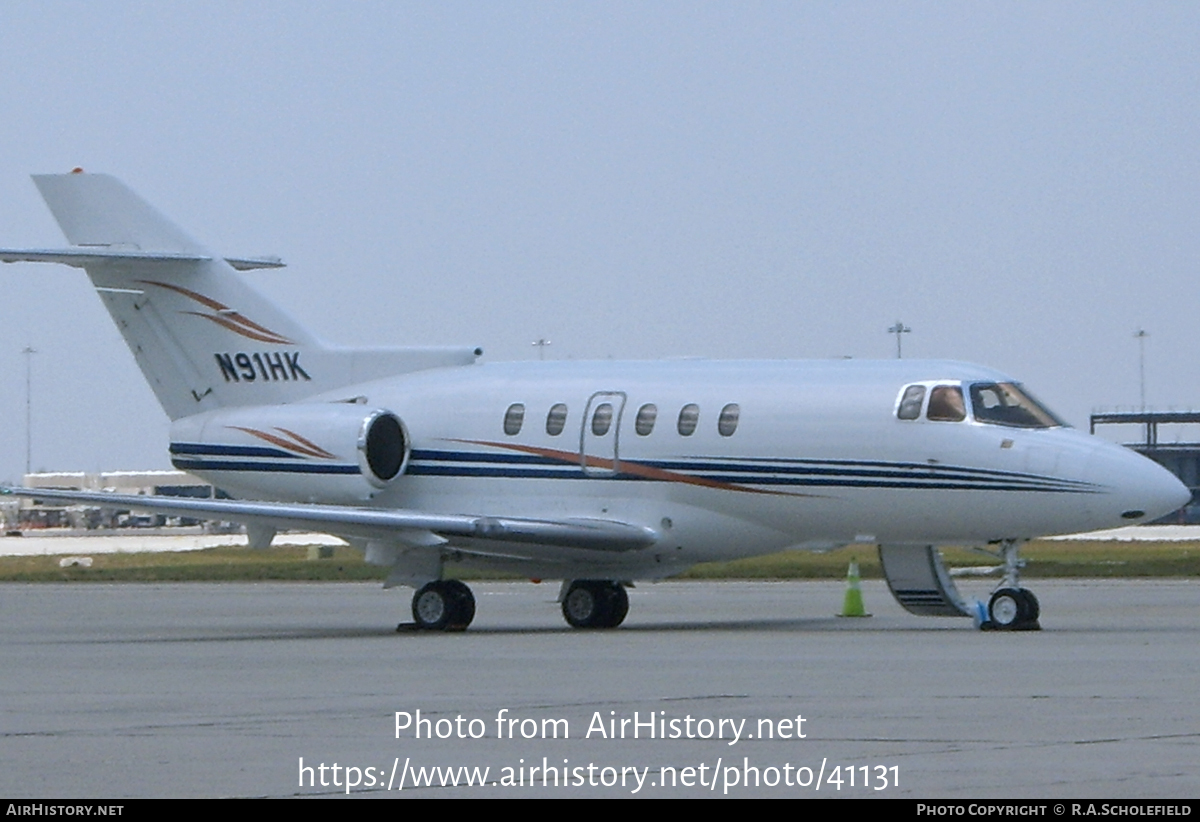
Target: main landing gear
x=444 y=605
x=449 y=605
x=595 y=603
x=1012 y=608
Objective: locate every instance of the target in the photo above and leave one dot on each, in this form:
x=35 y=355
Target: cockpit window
x=910 y=403
x=1004 y=403
x=946 y=404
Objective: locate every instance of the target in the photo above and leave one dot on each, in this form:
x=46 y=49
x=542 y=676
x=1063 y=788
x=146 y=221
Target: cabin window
x=513 y=418
x=1003 y=403
x=727 y=422
x=556 y=420
x=646 y=416
x=910 y=403
x=689 y=415
x=602 y=419
x=946 y=404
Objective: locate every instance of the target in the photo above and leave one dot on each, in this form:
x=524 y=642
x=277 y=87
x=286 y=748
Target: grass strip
x=1045 y=558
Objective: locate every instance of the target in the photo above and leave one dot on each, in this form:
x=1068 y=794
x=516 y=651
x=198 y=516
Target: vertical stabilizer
x=202 y=336
x=98 y=210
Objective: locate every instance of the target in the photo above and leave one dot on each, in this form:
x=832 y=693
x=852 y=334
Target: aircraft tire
x=1013 y=609
x=1006 y=608
x=463 y=605
x=618 y=605
x=1033 y=609
x=582 y=605
x=595 y=603
x=443 y=605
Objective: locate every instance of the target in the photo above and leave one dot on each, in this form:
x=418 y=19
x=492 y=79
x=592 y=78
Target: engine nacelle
x=309 y=452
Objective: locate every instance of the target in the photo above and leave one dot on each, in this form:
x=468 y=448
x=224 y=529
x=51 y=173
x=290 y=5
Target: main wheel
x=463 y=605
x=595 y=603
x=583 y=605
x=431 y=607
x=618 y=605
x=444 y=605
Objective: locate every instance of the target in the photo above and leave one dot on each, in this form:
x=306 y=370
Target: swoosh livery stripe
x=639 y=470
x=227 y=318
x=229 y=321
x=727 y=473
x=303 y=446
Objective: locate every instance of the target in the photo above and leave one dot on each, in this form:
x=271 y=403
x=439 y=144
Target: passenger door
x=599 y=434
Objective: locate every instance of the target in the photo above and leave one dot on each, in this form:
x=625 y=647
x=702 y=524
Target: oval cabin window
x=728 y=421
x=646 y=416
x=556 y=420
x=689 y=415
x=513 y=418
x=602 y=419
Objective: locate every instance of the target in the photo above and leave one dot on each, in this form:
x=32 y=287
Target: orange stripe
x=306 y=442
x=281 y=442
x=200 y=298
x=216 y=306
x=237 y=329
x=635 y=468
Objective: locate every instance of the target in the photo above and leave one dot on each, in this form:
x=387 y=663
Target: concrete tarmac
x=209 y=690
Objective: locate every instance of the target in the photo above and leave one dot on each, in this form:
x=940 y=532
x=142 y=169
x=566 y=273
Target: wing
x=374 y=523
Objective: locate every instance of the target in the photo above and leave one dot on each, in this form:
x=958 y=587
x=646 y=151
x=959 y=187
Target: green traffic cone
x=852 y=605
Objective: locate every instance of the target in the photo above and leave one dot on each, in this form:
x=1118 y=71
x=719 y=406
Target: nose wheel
x=595 y=603
x=1012 y=608
x=444 y=605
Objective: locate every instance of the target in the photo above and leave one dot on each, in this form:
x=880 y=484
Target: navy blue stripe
x=473 y=456
x=203 y=449
x=516 y=473
x=907 y=474
x=576 y=474
x=269 y=467
x=748 y=464
x=888 y=481
x=903 y=476
x=853 y=468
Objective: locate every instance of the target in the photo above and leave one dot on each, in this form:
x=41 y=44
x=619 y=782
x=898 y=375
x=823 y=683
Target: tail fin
x=97 y=210
x=201 y=335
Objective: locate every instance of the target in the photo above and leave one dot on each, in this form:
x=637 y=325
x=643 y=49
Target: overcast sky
x=1017 y=182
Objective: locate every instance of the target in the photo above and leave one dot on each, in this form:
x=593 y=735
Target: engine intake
x=316 y=452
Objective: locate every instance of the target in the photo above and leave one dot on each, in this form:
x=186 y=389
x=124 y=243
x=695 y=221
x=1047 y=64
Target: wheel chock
x=852 y=604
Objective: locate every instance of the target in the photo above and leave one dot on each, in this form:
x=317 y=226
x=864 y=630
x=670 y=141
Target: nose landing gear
x=1012 y=608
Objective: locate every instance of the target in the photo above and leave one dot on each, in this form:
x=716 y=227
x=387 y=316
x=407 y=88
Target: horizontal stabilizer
x=251 y=263
x=592 y=534
x=81 y=257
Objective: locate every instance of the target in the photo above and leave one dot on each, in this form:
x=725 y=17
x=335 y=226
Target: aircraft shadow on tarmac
x=409 y=632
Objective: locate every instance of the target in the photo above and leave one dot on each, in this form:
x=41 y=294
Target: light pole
x=1141 y=336
x=898 y=329
x=29 y=351
x=540 y=343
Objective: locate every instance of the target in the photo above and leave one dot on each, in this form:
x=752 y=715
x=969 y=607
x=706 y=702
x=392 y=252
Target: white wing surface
x=373 y=523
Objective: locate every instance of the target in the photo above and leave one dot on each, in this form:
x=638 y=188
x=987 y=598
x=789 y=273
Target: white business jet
x=595 y=473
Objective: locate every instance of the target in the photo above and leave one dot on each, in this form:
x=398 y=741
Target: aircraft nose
x=1144 y=489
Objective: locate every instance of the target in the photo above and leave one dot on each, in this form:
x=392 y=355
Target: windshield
x=1005 y=403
